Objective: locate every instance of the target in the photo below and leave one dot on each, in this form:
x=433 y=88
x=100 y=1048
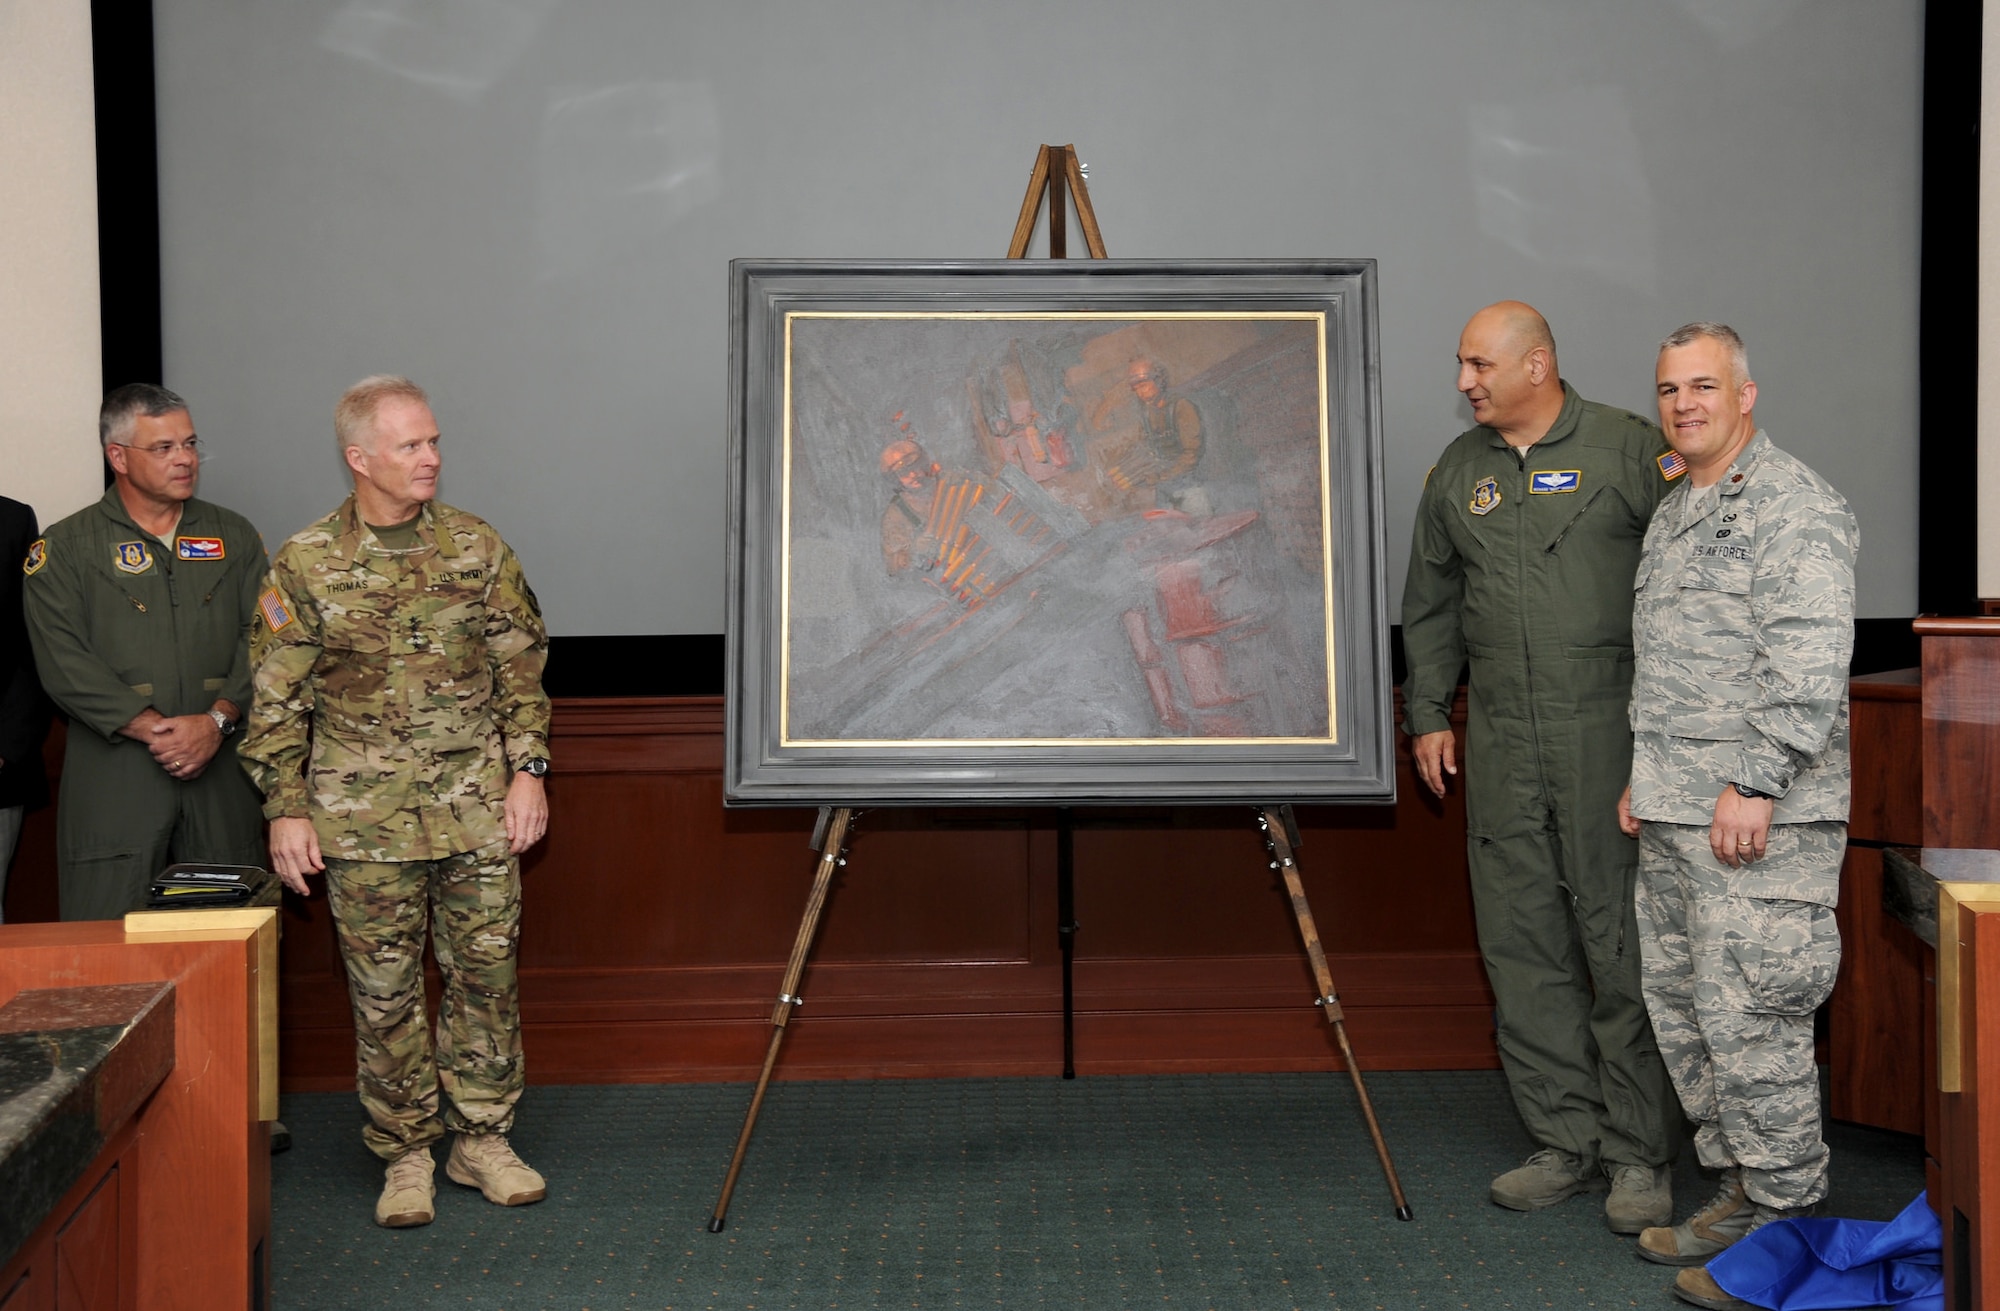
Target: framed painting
x=1056 y=531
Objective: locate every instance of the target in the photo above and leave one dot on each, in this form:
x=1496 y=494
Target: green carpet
x=1237 y=1191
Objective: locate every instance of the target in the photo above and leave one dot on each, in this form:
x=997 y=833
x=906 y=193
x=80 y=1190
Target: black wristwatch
x=536 y=768
x=1752 y=793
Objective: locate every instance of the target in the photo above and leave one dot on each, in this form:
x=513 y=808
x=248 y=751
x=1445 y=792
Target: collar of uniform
x=1565 y=424
x=353 y=532
x=1744 y=465
x=113 y=507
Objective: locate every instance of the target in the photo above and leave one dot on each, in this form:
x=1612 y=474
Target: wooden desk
x=202 y=1152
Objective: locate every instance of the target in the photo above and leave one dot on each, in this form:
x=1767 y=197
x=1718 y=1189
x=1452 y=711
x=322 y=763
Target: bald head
x=1507 y=370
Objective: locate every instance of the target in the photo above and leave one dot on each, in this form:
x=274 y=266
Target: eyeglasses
x=192 y=446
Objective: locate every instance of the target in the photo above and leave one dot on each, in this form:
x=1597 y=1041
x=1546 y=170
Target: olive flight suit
x=1524 y=566
x=121 y=620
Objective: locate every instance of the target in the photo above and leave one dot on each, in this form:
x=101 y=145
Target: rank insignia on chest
x=38 y=555
x=273 y=608
x=1550 y=481
x=1485 y=495
x=1672 y=465
x=132 y=557
x=198 y=548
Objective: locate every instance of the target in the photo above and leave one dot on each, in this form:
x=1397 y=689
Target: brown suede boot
x=485 y=1161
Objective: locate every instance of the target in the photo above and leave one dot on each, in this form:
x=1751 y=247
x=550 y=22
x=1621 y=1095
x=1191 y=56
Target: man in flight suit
x=1527 y=538
x=399 y=733
x=138 y=609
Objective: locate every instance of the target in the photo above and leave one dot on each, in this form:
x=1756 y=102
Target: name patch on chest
x=1485 y=496
x=198 y=548
x=346 y=585
x=132 y=557
x=1710 y=551
x=1551 y=481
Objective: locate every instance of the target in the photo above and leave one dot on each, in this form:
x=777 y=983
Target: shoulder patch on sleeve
x=272 y=608
x=38 y=555
x=1427 y=474
x=1672 y=465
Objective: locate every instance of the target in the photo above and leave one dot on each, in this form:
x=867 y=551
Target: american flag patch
x=198 y=548
x=1672 y=465
x=272 y=606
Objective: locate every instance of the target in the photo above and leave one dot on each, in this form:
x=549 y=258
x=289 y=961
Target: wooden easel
x=1056 y=170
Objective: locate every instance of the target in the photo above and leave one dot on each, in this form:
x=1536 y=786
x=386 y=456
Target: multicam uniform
x=121 y=620
x=1743 y=629
x=1523 y=564
x=415 y=678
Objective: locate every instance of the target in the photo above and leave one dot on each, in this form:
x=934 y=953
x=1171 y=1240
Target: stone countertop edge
x=75 y=1064
x=1911 y=877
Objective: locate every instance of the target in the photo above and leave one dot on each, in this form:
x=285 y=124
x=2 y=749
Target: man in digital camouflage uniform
x=1526 y=539
x=398 y=643
x=1744 y=627
x=138 y=608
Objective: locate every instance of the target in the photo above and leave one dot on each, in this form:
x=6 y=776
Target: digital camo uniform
x=1525 y=566
x=1744 y=627
x=121 y=620
x=414 y=676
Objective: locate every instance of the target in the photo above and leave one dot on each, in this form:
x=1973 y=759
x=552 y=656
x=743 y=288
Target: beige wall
x=1989 y=308
x=50 y=363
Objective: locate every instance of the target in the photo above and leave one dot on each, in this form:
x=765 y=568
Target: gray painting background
x=1047 y=656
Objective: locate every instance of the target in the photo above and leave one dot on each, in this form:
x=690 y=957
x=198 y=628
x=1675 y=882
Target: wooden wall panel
x=1886 y=729
x=1876 y=1050
x=1961 y=750
x=658 y=923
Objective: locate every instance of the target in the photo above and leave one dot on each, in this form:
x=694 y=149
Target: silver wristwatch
x=223 y=722
x=536 y=768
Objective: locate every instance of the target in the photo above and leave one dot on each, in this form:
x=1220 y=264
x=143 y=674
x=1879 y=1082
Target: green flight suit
x=120 y=621
x=1524 y=566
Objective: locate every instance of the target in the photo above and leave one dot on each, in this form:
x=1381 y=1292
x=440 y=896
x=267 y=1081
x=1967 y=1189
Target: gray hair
x=354 y=416
x=1719 y=332
x=122 y=408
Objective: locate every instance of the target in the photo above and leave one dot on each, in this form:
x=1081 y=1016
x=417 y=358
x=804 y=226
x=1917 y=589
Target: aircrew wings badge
x=132 y=557
x=1485 y=495
x=38 y=555
x=1550 y=481
x=274 y=610
x=198 y=548
x=1672 y=465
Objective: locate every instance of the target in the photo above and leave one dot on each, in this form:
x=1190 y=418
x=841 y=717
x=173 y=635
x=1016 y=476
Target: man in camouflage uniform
x=1743 y=628
x=137 y=608
x=398 y=643
x=1526 y=539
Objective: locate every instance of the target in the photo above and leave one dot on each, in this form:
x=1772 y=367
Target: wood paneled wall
x=658 y=924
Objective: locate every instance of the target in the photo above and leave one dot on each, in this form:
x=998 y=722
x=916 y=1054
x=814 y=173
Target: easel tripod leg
x=830 y=835
x=1281 y=837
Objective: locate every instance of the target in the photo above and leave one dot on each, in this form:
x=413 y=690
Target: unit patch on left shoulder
x=198 y=548
x=1550 y=481
x=38 y=555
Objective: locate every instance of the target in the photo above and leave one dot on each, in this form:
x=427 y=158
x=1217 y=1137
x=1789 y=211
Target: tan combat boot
x=1642 y=1196
x=1725 y=1219
x=1550 y=1176
x=485 y=1161
x=407 y=1191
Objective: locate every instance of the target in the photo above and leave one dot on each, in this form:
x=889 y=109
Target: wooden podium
x=201 y=1149
x=1961 y=772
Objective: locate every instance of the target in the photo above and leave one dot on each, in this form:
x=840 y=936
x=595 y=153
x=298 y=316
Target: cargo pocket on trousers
x=1789 y=953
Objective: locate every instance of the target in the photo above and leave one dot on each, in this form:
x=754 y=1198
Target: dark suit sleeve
x=24 y=711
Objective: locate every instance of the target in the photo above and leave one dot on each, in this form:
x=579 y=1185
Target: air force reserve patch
x=132 y=557
x=1485 y=495
x=38 y=555
x=272 y=606
x=1672 y=465
x=198 y=548
x=1551 y=481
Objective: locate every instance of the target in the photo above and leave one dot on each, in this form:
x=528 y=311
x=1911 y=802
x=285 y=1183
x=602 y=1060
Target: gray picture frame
x=1137 y=555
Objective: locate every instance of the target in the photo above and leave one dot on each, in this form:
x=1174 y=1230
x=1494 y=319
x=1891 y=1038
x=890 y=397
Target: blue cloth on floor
x=1810 y=1265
